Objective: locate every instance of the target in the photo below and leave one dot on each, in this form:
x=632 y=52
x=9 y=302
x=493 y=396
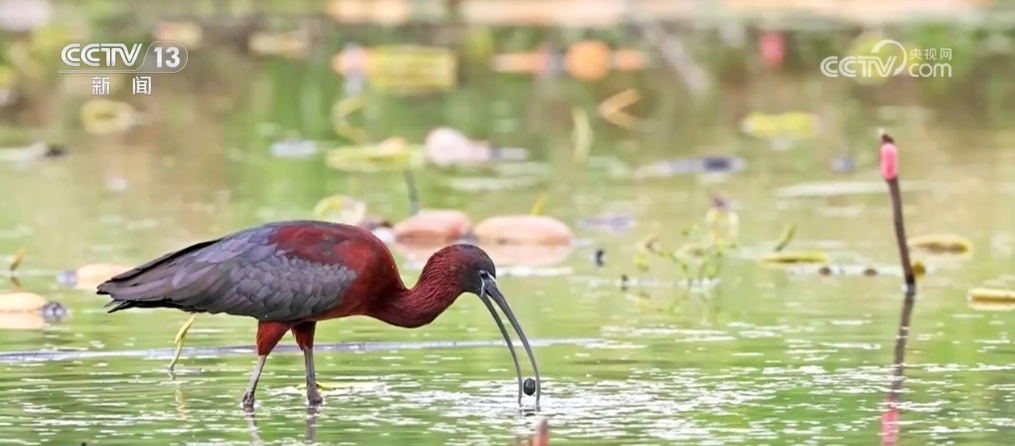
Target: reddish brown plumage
x=290 y=275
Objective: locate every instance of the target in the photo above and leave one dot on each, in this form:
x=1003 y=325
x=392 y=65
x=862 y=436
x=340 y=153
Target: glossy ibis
x=291 y=275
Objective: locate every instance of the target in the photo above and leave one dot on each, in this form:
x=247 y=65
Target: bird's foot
x=180 y=337
x=247 y=402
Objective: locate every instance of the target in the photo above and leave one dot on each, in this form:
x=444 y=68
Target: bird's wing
x=244 y=274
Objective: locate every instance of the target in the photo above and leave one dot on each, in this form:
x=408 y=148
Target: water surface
x=765 y=358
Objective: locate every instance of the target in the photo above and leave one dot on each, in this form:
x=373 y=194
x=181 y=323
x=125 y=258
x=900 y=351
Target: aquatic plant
x=20 y=303
x=340 y=113
x=387 y=155
x=699 y=263
x=581 y=135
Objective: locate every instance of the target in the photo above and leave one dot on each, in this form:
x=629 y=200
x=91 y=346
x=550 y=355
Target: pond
x=764 y=357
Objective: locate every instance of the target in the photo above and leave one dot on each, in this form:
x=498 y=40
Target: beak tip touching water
x=530 y=385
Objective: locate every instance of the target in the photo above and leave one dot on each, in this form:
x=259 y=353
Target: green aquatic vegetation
x=991 y=298
x=689 y=268
x=786 y=237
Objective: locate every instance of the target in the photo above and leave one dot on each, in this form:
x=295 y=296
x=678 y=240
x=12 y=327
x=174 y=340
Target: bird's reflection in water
x=181 y=403
x=311 y=432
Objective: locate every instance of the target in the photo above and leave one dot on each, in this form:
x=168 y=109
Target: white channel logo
x=878 y=66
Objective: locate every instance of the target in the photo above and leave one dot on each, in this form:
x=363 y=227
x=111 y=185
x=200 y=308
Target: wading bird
x=291 y=275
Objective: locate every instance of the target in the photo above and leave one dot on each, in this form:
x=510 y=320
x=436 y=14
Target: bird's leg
x=268 y=335
x=304 y=334
x=180 y=336
x=248 y=396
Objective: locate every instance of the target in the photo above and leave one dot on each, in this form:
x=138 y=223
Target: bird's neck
x=420 y=305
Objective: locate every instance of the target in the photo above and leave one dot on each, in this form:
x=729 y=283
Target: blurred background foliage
x=285 y=52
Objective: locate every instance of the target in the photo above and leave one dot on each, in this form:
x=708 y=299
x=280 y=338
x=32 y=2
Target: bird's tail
x=128 y=294
x=147 y=285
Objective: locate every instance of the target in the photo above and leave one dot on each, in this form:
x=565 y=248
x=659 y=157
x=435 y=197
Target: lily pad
x=794 y=257
x=991 y=295
x=375 y=158
x=941 y=244
x=781 y=126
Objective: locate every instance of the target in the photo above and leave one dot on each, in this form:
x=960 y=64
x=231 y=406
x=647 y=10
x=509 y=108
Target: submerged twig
x=785 y=238
x=410 y=184
x=540 y=204
x=13 y=268
x=16 y=262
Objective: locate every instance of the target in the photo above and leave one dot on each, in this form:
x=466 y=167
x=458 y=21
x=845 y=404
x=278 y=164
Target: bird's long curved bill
x=492 y=293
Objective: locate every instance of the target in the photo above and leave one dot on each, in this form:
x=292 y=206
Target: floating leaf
x=991 y=299
x=391 y=154
x=401 y=69
x=790 y=125
x=941 y=244
x=794 y=257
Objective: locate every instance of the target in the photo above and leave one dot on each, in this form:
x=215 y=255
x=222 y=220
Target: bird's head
x=476 y=274
x=468 y=265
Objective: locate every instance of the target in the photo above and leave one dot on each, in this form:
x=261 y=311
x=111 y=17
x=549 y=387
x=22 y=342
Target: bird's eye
x=485 y=275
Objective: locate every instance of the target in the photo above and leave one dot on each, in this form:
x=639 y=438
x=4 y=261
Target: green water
x=765 y=358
